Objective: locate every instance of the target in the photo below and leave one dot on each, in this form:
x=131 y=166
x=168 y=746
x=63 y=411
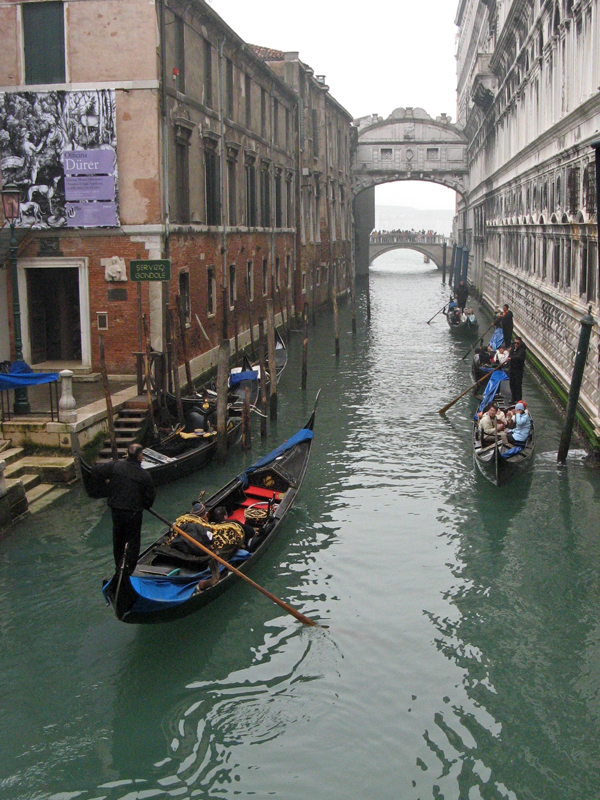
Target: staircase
x=130 y=425
x=44 y=478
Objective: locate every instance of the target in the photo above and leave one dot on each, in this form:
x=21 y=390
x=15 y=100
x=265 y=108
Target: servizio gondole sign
x=150 y=270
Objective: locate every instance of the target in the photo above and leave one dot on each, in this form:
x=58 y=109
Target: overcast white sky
x=376 y=56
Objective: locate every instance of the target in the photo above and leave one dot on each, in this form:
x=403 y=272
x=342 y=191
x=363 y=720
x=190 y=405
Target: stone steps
x=12 y=454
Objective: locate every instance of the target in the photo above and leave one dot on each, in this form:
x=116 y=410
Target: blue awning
x=495 y=380
x=303 y=435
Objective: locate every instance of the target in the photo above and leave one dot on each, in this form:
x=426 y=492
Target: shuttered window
x=44 y=42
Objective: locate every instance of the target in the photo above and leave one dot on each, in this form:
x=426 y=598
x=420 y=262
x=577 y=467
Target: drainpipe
x=222 y=153
x=272 y=193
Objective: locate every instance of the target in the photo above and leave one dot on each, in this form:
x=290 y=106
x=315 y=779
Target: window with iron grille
x=573 y=190
x=44 y=42
x=589 y=184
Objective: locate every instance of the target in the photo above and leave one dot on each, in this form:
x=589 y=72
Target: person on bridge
x=129 y=491
x=462 y=293
x=507 y=324
x=516 y=365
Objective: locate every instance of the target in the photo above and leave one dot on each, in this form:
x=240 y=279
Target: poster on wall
x=60 y=148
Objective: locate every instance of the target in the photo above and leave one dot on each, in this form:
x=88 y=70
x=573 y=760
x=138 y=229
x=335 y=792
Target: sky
x=376 y=56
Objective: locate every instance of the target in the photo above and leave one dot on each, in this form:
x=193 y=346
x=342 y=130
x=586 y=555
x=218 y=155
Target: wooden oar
x=231 y=568
x=456 y=399
x=470 y=350
x=437 y=312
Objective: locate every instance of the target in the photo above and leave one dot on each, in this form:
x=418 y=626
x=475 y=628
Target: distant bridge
x=430 y=244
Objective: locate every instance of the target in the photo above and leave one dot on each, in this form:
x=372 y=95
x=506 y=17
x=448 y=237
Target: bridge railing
x=408 y=238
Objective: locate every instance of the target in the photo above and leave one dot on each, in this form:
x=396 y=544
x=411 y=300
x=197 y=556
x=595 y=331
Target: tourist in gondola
x=516 y=365
x=462 y=293
x=501 y=356
x=492 y=423
x=507 y=325
x=130 y=490
x=517 y=435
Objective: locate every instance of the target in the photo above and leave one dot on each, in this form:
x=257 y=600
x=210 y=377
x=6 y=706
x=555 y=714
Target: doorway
x=54 y=315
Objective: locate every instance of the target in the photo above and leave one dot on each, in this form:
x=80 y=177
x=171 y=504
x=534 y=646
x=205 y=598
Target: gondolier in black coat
x=507 y=325
x=516 y=366
x=462 y=293
x=129 y=490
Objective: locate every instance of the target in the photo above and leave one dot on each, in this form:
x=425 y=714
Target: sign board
x=150 y=270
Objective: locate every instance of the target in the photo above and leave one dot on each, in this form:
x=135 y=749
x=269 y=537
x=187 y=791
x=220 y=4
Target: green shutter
x=44 y=42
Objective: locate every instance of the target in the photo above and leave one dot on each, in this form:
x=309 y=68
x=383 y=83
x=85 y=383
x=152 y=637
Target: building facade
x=528 y=77
x=148 y=131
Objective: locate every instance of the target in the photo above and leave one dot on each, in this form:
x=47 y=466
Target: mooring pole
x=587 y=323
x=222 y=389
x=305 y=347
x=271 y=358
x=263 y=378
x=444 y=248
x=452 y=262
x=246 y=428
x=457 y=267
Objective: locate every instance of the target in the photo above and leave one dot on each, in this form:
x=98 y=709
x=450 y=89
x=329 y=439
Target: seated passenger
x=491 y=422
x=521 y=427
x=471 y=316
x=501 y=355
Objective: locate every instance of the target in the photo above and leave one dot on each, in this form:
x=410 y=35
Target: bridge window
x=386 y=153
x=433 y=154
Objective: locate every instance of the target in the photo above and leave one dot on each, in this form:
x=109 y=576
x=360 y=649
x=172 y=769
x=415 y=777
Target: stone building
x=528 y=77
x=141 y=130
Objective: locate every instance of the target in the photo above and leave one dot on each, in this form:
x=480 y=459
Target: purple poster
x=60 y=148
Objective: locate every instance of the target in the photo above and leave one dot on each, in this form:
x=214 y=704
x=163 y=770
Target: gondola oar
x=241 y=575
x=456 y=399
x=470 y=350
x=437 y=312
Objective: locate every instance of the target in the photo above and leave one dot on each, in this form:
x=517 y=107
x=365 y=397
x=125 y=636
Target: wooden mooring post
x=271 y=356
x=222 y=390
x=182 y=330
x=246 y=427
x=263 y=377
x=109 y=409
x=149 y=378
x=174 y=358
x=305 y=347
x=336 y=318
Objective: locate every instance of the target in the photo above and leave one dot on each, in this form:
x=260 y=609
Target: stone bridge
x=430 y=244
x=407 y=146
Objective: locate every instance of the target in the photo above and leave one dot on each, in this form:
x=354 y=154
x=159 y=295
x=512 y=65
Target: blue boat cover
x=303 y=435
x=21 y=375
x=512 y=452
x=238 y=377
x=497 y=339
x=495 y=380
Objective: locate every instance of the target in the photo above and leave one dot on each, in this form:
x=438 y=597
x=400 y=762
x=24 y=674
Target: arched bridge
x=430 y=244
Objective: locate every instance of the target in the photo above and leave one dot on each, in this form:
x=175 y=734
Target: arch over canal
x=409 y=145
x=431 y=245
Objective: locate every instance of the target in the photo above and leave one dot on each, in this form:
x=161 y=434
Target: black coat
x=517 y=359
x=462 y=294
x=129 y=487
x=507 y=325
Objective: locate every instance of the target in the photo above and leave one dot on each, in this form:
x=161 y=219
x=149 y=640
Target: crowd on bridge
x=422 y=236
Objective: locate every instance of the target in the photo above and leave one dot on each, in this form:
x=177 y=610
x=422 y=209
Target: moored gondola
x=168 y=583
x=497 y=461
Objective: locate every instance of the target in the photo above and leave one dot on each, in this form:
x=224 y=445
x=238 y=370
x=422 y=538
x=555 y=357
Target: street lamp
x=11 y=199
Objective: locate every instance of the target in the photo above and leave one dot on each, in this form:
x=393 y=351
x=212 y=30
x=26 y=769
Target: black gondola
x=464 y=327
x=165 y=584
x=240 y=377
x=499 y=462
x=177 y=456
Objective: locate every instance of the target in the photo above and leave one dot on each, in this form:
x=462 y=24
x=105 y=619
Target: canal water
x=462 y=657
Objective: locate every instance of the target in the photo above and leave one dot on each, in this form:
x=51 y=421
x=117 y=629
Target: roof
x=267 y=53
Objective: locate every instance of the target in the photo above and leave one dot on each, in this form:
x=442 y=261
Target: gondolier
x=130 y=490
x=507 y=324
x=516 y=365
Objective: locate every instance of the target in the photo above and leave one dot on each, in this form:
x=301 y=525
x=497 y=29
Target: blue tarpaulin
x=21 y=375
x=495 y=380
x=238 y=377
x=303 y=435
x=497 y=339
x=512 y=452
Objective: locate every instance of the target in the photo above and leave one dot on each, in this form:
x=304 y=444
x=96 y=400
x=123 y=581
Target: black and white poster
x=60 y=148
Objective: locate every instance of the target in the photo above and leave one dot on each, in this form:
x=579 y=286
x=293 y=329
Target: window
x=213 y=189
x=386 y=153
x=250 y=193
x=303 y=283
x=315 y=131
x=318 y=277
x=265 y=277
x=232 y=286
x=248 y=98
x=250 y=279
x=287 y=129
x=184 y=291
x=556 y=264
x=182 y=186
x=208 y=96
x=289 y=197
x=589 y=186
x=288 y=271
x=232 y=191
x=211 y=292
x=179 y=54
x=433 y=154
x=277 y=270
x=229 y=87
x=265 y=197
x=317 y=210
x=263 y=113
x=278 y=201
x=275 y=121
x=583 y=275
x=44 y=42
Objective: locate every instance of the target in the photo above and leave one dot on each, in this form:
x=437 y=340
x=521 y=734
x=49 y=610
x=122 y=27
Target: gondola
x=499 y=462
x=240 y=377
x=465 y=328
x=166 y=584
x=178 y=455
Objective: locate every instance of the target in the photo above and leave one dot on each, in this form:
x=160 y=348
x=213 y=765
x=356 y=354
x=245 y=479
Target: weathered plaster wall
x=9 y=51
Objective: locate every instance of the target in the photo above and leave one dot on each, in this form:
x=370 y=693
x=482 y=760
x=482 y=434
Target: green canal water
x=462 y=654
